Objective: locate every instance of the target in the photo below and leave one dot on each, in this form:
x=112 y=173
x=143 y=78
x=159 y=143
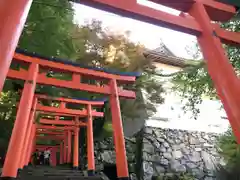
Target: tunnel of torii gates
x=47 y=129
x=197 y=18
x=26 y=131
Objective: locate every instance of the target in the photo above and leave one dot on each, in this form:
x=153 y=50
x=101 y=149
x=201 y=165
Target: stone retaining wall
x=167 y=152
x=105 y=154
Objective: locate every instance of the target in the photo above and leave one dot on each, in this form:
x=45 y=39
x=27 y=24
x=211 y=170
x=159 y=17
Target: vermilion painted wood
x=58 y=115
x=53 y=157
x=21 y=74
x=65 y=147
x=61 y=122
x=32 y=144
x=81 y=113
x=13 y=15
x=90 y=142
x=217 y=11
x=118 y=136
x=134 y=10
x=50 y=137
x=60 y=112
x=67 y=100
x=42 y=79
x=27 y=138
x=82 y=86
x=69 y=155
x=16 y=143
x=76 y=78
x=219 y=68
x=53 y=127
x=228 y=37
x=76 y=148
x=62 y=105
x=73 y=69
x=61 y=153
x=50 y=132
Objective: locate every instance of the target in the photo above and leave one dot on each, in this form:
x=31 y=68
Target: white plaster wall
x=209 y=120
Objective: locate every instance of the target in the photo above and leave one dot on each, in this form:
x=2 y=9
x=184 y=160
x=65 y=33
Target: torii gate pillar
x=13 y=15
x=27 y=139
x=53 y=157
x=61 y=153
x=225 y=80
x=76 y=148
x=90 y=143
x=65 y=141
x=69 y=150
x=32 y=144
x=16 y=143
x=118 y=136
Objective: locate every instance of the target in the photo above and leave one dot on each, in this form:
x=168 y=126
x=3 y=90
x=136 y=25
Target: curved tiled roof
x=165 y=58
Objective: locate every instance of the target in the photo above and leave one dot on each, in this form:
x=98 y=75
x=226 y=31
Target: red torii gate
x=62 y=148
x=68 y=112
x=66 y=156
x=196 y=22
x=32 y=77
x=65 y=146
x=54 y=150
x=71 y=124
x=89 y=112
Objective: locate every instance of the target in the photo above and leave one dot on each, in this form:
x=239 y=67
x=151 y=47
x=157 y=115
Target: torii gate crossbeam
x=65 y=111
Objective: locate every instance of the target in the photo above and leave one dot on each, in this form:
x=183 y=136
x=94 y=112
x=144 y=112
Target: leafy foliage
x=48 y=29
x=230 y=150
x=7 y=116
x=192 y=84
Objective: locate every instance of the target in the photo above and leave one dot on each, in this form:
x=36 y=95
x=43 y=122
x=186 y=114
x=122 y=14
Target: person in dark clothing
x=41 y=158
x=35 y=158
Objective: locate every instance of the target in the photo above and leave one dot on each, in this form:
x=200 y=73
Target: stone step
x=53 y=174
x=54 y=171
x=66 y=170
x=48 y=167
x=58 y=178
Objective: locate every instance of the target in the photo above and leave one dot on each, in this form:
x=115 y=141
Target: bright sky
x=150 y=36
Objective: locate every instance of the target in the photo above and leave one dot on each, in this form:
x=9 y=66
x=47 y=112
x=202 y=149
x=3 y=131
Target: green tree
x=7 y=117
x=48 y=29
x=230 y=150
